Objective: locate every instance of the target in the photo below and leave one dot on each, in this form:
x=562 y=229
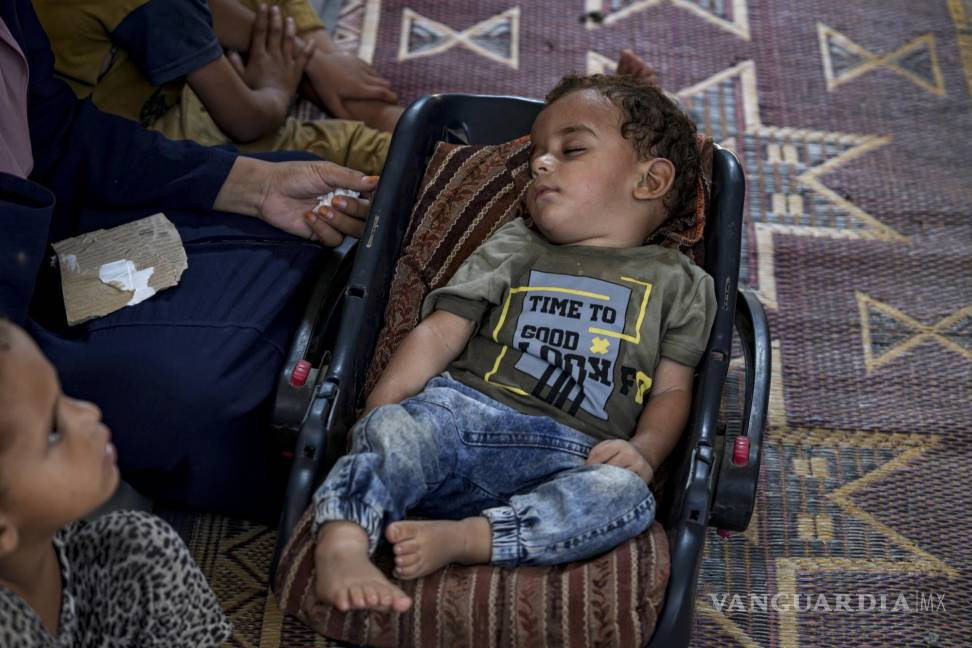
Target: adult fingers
x=342 y=223
x=335 y=175
x=322 y=230
x=258 y=39
x=354 y=207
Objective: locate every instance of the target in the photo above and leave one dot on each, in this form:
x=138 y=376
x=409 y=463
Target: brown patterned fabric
x=611 y=600
x=686 y=232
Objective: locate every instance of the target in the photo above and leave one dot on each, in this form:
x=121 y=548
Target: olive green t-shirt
x=575 y=332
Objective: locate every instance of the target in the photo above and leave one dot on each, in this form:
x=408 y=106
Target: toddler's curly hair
x=655 y=126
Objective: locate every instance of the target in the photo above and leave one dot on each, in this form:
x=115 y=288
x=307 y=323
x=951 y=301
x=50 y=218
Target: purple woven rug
x=852 y=122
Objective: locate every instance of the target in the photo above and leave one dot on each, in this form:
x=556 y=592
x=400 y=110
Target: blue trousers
x=184 y=379
x=451 y=452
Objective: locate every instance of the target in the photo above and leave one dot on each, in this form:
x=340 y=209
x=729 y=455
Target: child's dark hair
x=655 y=126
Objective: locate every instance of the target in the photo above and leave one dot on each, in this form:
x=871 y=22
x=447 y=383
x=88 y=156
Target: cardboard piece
x=105 y=270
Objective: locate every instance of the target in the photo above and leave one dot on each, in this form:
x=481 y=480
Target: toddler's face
x=583 y=171
x=59 y=464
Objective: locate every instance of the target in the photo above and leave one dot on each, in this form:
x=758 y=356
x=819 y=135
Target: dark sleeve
x=80 y=151
x=25 y=218
x=167 y=40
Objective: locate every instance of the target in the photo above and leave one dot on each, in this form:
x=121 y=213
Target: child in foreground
x=123 y=579
x=527 y=412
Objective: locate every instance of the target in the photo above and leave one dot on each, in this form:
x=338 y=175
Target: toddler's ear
x=9 y=539
x=657 y=177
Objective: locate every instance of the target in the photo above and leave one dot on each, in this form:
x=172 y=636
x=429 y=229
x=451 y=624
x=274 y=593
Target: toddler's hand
x=276 y=62
x=617 y=452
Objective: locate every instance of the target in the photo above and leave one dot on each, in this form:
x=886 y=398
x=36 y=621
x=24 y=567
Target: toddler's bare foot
x=633 y=65
x=346 y=578
x=422 y=547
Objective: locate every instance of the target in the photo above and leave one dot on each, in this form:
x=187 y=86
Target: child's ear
x=657 y=177
x=9 y=539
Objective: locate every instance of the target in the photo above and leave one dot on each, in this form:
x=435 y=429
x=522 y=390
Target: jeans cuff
x=506 y=535
x=333 y=509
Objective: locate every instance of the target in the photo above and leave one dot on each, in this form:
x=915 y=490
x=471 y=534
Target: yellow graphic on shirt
x=643 y=381
x=496 y=366
x=600 y=345
x=636 y=339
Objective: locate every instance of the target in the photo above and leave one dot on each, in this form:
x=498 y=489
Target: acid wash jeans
x=451 y=452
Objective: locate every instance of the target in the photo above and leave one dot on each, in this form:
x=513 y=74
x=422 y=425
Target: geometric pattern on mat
x=497 y=38
x=731 y=15
x=961 y=13
x=821 y=482
x=784 y=169
x=350 y=29
x=845 y=60
x=888 y=333
x=235 y=556
x=828 y=520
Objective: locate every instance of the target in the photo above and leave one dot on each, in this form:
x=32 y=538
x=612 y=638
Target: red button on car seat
x=299 y=375
x=740 y=451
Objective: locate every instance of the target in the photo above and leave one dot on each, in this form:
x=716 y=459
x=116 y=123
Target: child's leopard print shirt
x=128 y=580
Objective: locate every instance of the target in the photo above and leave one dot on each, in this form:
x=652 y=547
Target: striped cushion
x=468 y=192
x=611 y=600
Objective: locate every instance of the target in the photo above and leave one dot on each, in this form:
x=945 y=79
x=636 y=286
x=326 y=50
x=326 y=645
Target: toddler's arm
x=659 y=427
x=425 y=352
x=666 y=412
x=251 y=101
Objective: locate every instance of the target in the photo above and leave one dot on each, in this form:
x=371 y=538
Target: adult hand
x=284 y=194
x=293 y=189
x=618 y=452
x=337 y=77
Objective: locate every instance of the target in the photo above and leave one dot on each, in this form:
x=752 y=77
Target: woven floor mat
x=853 y=124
